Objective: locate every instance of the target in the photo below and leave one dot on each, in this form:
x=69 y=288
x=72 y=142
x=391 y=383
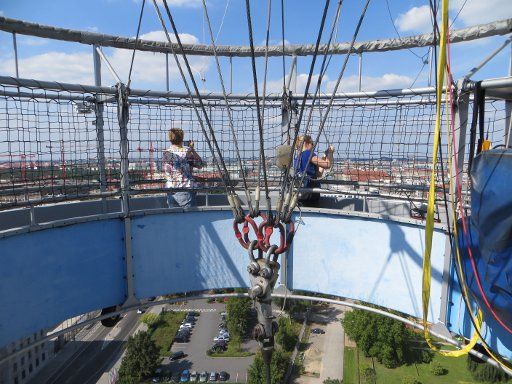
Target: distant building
x=22 y=367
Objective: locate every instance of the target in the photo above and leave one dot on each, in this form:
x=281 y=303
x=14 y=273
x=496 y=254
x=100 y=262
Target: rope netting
x=62 y=145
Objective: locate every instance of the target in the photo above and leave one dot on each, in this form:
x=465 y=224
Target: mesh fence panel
x=50 y=149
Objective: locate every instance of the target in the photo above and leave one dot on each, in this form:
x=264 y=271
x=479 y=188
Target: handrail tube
x=227 y=295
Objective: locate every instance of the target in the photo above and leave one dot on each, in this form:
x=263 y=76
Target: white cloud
x=348 y=83
x=32 y=41
x=57 y=66
x=1 y=13
x=92 y=29
x=416 y=19
x=276 y=86
x=371 y=83
x=481 y=11
x=78 y=67
x=275 y=42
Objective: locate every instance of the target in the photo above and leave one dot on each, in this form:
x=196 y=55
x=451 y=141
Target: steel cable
x=228 y=107
x=135 y=46
x=224 y=174
x=286 y=172
x=258 y=111
x=331 y=100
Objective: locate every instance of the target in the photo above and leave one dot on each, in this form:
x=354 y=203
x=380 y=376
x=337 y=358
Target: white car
x=194 y=376
x=203 y=377
x=188 y=325
x=224 y=333
x=221 y=337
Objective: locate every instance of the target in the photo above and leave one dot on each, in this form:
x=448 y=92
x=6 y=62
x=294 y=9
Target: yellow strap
x=429 y=227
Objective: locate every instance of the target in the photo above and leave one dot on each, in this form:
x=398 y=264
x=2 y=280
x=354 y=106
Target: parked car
x=141 y=310
x=226 y=338
x=193 y=313
x=222 y=325
x=213 y=376
x=177 y=355
x=221 y=342
x=194 y=376
x=224 y=333
x=181 y=338
x=203 y=377
x=187 y=324
x=185 y=376
x=318 y=331
x=223 y=376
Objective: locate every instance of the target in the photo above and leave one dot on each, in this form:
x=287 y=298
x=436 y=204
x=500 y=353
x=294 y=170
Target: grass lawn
x=164 y=331
x=457 y=372
x=350 y=366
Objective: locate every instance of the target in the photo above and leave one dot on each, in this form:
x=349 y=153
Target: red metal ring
x=243 y=236
x=239 y=235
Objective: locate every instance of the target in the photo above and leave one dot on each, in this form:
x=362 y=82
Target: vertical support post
x=292 y=75
x=123 y=116
x=508 y=111
x=167 y=71
x=360 y=70
x=230 y=74
x=15 y=45
x=430 y=65
x=100 y=137
x=287 y=110
x=33 y=221
x=459 y=139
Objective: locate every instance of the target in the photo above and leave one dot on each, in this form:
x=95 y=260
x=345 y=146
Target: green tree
x=141 y=357
x=238 y=310
x=378 y=336
x=150 y=319
x=256 y=371
x=483 y=372
x=286 y=336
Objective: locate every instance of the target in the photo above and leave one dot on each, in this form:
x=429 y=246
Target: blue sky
x=69 y=62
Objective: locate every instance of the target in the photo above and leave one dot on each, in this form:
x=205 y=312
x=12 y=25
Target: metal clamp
x=264 y=272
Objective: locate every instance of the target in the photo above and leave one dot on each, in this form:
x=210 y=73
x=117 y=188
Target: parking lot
x=201 y=339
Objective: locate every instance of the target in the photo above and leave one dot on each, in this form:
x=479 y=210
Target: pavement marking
x=192 y=309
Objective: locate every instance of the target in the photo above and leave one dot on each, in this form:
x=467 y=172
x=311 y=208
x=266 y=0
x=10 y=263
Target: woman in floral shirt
x=178 y=162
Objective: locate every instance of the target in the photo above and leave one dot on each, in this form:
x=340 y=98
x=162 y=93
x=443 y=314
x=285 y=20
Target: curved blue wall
x=53 y=274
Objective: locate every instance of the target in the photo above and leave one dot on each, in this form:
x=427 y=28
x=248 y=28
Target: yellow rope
x=429 y=228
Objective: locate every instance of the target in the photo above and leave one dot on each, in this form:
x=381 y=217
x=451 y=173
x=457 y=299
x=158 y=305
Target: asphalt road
x=205 y=330
x=93 y=356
